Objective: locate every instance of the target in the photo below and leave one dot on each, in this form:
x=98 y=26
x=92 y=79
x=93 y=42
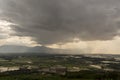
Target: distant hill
x=24 y=49
x=37 y=49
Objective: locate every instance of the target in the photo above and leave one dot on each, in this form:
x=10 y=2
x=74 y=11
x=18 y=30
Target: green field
x=79 y=61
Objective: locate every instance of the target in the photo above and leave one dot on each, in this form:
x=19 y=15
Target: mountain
x=37 y=49
x=24 y=49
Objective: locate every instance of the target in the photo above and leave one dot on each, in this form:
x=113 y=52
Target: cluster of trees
x=94 y=75
x=82 y=75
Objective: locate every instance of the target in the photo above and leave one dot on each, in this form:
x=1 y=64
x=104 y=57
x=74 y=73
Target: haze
x=83 y=26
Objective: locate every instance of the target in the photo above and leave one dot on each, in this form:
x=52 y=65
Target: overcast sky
x=89 y=26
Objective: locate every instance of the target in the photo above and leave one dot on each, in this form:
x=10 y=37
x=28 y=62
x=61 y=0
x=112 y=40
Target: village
x=55 y=64
x=59 y=66
x=58 y=69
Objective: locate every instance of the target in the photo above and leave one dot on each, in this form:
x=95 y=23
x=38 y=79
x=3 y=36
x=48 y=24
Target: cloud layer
x=54 y=21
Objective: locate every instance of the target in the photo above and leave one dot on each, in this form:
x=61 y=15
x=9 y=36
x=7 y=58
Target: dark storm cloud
x=52 y=21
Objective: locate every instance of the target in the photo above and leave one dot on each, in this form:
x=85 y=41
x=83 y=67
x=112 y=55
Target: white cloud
x=108 y=46
x=7 y=39
x=25 y=41
x=5 y=29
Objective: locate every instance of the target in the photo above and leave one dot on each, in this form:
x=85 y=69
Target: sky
x=84 y=26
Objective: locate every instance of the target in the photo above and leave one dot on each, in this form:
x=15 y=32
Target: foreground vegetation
x=82 y=75
x=104 y=67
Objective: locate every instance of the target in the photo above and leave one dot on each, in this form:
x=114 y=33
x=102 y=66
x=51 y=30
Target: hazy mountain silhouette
x=24 y=49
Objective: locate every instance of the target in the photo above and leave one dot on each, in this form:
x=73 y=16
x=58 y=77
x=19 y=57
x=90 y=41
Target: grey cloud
x=52 y=21
x=3 y=36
